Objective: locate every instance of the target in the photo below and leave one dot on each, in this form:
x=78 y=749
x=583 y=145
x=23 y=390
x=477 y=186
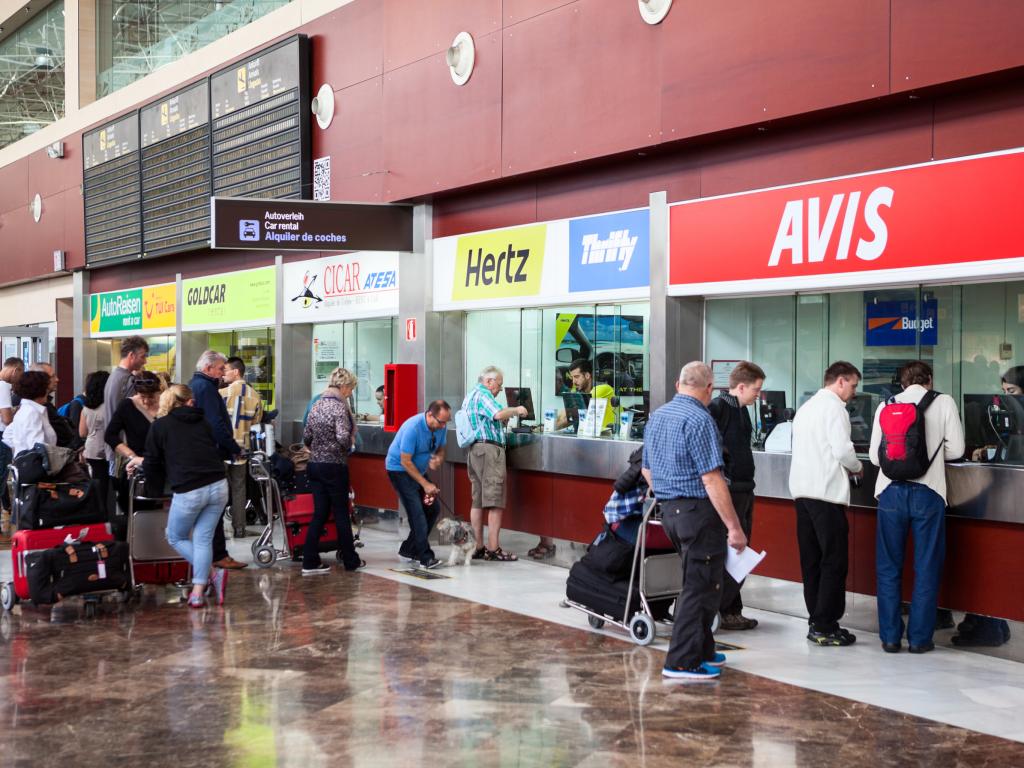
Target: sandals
x=542 y=552
x=499 y=555
x=480 y=553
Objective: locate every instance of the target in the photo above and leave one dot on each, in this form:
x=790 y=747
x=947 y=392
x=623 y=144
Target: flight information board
x=176 y=178
x=113 y=221
x=261 y=123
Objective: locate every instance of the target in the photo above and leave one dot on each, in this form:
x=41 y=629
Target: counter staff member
x=418 y=448
x=733 y=419
x=486 y=460
x=823 y=461
x=682 y=463
x=245 y=408
x=918 y=505
x=581 y=372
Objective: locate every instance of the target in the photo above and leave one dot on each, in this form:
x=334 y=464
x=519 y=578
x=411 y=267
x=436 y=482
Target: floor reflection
x=354 y=670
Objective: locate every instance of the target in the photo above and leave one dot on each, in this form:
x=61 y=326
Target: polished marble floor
x=381 y=669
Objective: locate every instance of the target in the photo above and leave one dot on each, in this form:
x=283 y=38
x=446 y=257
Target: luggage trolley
x=147 y=539
x=264 y=552
x=656 y=577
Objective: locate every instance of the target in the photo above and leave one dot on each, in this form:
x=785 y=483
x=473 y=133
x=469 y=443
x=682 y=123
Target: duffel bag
x=49 y=505
x=39 y=575
x=30 y=467
x=85 y=567
x=611 y=555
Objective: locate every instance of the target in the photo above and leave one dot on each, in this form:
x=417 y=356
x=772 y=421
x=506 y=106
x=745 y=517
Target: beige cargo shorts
x=486 y=465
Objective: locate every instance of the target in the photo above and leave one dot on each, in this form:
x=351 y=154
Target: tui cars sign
x=943 y=220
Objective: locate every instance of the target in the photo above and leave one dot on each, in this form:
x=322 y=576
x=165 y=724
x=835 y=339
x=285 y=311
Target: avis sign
x=950 y=219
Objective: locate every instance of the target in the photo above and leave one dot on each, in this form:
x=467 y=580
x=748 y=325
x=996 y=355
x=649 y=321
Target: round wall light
x=36 y=208
x=461 y=57
x=323 y=106
x=654 y=11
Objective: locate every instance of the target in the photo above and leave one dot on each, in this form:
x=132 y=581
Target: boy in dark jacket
x=733 y=419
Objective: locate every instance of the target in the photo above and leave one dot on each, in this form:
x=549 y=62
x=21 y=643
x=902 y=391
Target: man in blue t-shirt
x=419 y=447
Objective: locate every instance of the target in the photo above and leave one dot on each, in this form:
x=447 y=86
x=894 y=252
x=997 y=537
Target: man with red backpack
x=914 y=434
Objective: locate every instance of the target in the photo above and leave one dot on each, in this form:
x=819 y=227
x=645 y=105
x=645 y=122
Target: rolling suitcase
x=89 y=567
x=602 y=594
x=298 y=512
x=25 y=542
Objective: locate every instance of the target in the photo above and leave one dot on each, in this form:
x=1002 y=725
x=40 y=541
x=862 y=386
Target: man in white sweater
x=917 y=505
x=823 y=460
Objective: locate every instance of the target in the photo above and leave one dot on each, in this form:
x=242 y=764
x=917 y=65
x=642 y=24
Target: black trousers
x=330 y=485
x=823 y=533
x=732 y=603
x=699 y=536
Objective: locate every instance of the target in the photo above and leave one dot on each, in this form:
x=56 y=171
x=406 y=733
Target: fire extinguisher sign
x=410 y=329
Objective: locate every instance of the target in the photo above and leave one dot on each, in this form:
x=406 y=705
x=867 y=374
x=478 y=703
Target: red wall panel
x=370 y=481
x=436 y=135
x=935 y=41
x=14 y=186
x=979 y=123
x=414 y=29
x=74 y=228
x=348 y=45
x=732 y=64
x=578 y=84
x=355 y=145
x=508 y=205
x=516 y=11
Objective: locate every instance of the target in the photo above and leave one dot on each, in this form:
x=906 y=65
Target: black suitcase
x=39 y=575
x=51 y=505
x=602 y=594
x=86 y=567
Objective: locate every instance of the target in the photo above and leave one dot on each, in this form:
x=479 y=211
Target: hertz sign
x=501 y=264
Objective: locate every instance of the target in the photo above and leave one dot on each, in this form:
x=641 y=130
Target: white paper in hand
x=740 y=564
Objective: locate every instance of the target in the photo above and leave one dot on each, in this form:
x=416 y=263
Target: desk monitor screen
x=577 y=401
x=521 y=396
x=771 y=407
x=862 y=417
x=995 y=421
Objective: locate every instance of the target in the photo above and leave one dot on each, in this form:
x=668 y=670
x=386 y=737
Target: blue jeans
x=190 y=524
x=330 y=486
x=421 y=518
x=904 y=507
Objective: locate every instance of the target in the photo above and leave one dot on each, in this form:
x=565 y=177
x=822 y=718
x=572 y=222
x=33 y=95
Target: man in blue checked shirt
x=683 y=465
x=485 y=460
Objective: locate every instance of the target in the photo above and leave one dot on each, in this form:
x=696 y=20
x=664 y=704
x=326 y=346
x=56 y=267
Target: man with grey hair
x=486 y=460
x=683 y=465
x=67 y=436
x=205 y=387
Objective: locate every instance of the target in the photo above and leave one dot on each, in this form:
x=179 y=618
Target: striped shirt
x=245 y=409
x=681 y=443
x=481 y=408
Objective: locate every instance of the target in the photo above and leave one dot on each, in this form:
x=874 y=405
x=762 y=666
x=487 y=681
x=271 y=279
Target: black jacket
x=632 y=474
x=735 y=427
x=206 y=394
x=66 y=436
x=180 y=449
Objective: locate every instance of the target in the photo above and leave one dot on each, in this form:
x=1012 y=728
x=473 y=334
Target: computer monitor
x=862 y=417
x=995 y=421
x=521 y=396
x=771 y=409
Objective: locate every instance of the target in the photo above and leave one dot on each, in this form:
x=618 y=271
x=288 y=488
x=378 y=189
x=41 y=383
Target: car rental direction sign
x=306 y=225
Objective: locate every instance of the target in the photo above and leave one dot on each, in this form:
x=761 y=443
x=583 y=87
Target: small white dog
x=460 y=535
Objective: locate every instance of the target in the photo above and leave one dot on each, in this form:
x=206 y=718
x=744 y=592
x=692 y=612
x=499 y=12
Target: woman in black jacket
x=181 y=451
x=129 y=425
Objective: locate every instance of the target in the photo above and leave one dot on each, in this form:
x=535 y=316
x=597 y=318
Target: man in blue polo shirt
x=419 y=447
x=683 y=466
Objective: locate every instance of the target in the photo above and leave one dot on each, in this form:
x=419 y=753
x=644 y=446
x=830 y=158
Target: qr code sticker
x=322 y=178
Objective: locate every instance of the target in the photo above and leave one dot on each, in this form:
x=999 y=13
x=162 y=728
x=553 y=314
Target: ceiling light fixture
x=461 y=57
x=654 y=11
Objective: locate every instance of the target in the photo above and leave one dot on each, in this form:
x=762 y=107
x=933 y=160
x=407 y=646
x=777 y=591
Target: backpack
x=903 y=452
x=463 y=432
x=65 y=410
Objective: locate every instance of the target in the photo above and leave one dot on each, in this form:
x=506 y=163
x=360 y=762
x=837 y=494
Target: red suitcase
x=24 y=542
x=298 y=513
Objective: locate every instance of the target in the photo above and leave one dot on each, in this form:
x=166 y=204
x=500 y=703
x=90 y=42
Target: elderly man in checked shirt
x=683 y=466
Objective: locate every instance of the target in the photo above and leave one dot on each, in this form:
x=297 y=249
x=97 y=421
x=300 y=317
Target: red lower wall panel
x=370 y=481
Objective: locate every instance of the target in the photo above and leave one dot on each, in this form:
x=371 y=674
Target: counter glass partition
x=362 y=346
x=971 y=335
x=558 y=358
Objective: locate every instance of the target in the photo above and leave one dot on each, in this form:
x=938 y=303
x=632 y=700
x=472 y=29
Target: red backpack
x=903 y=452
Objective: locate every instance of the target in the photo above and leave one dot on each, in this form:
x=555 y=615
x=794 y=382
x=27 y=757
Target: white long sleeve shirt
x=941 y=423
x=823 y=453
x=30 y=426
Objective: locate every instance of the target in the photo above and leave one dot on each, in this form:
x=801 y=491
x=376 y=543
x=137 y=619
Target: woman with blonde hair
x=181 y=451
x=330 y=435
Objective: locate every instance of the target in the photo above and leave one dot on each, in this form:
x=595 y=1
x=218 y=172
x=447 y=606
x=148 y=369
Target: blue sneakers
x=717 y=661
x=703 y=672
